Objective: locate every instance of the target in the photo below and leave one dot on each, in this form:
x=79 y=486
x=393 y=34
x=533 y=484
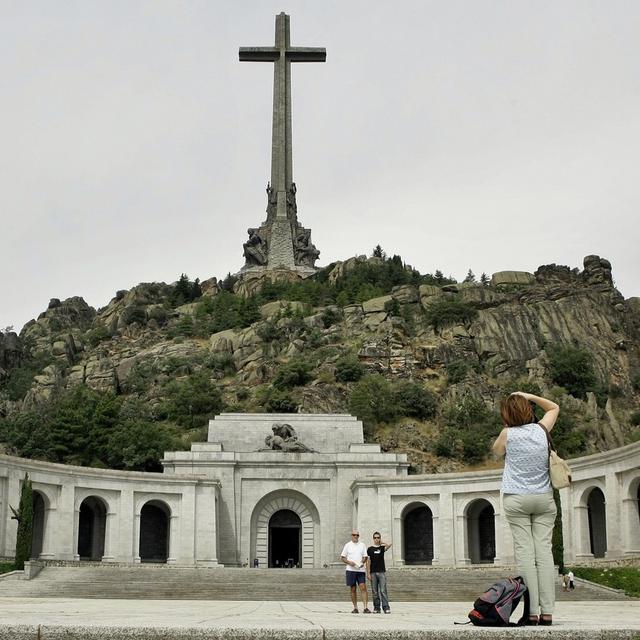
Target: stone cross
x=282 y=226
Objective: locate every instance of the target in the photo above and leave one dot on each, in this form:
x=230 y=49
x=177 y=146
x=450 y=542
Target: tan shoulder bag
x=559 y=470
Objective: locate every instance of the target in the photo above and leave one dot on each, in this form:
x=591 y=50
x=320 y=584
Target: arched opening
x=37 y=539
x=91 y=529
x=155 y=517
x=285 y=540
x=481 y=532
x=417 y=529
x=597 y=523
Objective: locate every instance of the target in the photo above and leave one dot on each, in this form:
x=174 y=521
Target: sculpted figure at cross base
x=305 y=251
x=284 y=438
x=272 y=201
x=255 y=248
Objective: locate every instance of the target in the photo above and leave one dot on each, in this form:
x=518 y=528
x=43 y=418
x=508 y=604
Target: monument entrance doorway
x=91 y=529
x=154 y=532
x=285 y=539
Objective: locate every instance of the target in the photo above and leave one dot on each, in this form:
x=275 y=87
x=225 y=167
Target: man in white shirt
x=354 y=555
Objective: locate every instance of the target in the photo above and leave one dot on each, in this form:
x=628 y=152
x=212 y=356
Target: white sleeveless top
x=526 y=467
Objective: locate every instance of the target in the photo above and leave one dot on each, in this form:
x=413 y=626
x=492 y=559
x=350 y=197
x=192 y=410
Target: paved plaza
x=71 y=619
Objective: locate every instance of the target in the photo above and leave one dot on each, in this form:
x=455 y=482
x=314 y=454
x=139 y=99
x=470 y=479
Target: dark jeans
x=379 y=588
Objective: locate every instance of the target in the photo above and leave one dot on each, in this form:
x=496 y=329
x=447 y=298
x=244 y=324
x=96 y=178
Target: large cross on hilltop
x=281 y=241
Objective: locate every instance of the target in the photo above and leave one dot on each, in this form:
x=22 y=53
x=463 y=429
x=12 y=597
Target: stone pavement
x=88 y=619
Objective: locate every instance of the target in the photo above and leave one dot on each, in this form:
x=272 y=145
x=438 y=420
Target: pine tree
x=438 y=276
x=24 y=516
x=378 y=252
x=470 y=277
x=484 y=279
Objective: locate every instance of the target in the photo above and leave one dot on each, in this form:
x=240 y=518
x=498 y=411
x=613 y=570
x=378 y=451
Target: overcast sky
x=489 y=135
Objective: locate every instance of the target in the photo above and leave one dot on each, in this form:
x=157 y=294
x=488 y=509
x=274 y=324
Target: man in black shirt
x=378 y=574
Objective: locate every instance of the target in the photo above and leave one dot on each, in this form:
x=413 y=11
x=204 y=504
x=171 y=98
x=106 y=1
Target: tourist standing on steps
x=354 y=555
x=529 y=507
x=377 y=573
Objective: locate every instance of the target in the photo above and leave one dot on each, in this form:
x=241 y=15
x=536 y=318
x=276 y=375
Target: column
x=174 y=539
x=613 y=519
x=110 y=537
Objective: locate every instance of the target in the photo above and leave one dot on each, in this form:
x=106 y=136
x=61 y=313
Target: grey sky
x=484 y=135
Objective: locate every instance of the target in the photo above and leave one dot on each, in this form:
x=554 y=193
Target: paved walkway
x=71 y=619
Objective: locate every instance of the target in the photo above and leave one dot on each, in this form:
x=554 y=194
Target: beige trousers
x=531 y=518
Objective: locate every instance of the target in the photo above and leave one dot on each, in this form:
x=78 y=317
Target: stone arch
x=285 y=540
x=417 y=534
x=155 y=531
x=92 y=526
x=480 y=531
x=41 y=507
x=303 y=508
x=597 y=522
x=631 y=514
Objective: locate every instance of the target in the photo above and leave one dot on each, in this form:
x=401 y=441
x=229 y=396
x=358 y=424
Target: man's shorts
x=355 y=577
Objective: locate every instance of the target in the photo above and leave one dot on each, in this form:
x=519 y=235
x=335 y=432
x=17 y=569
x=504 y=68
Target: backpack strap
x=527 y=602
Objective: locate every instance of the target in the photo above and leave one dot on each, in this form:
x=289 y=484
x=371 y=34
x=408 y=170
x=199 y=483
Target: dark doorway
x=91 y=529
x=597 y=523
x=154 y=532
x=418 y=536
x=37 y=539
x=481 y=532
x=285 y=539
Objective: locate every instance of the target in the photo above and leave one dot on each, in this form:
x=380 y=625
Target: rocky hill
x=421 y=359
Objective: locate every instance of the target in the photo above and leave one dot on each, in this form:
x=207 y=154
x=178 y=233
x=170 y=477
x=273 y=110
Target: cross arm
x=259 y=54
x=307 y=54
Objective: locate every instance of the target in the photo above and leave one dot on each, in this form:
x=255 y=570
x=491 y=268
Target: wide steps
x=180 y=583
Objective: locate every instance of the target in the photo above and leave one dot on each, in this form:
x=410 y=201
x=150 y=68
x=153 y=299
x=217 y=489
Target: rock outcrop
x=516 y=320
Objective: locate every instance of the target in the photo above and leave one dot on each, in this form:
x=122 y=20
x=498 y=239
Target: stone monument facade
x=286 y=490
x=281 y=242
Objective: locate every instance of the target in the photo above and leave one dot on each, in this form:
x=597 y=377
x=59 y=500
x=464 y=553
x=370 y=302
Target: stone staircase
x=158 y=582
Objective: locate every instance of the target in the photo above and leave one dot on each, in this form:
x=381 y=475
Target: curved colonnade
x=445 y=519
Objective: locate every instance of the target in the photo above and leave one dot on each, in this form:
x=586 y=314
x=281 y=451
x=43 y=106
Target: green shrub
x=222 y=362
x=469 y=428
x=572 y=368
x=295 y=373
x=635 y=380
x=159 y=314
x=191 y=402
x=392 y=307
x=349 y=369
x=134 y=313
x=226 y=311
x=635 y=418
x=371 y=400
x=414 y=400
x=456 y=371
x=330 y=317
x=184 y=327
x=97 y=335
x=449 y=311
x=20 y=378
x=139 y=445
x=268 y=331
x=279 y=401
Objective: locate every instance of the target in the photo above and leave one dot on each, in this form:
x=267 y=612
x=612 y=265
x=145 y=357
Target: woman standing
x=528 y=501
